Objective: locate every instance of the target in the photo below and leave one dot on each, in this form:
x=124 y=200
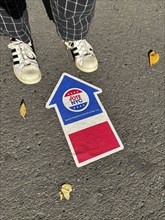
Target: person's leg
x=72 y=19
x=14 y=24
x=14 y=20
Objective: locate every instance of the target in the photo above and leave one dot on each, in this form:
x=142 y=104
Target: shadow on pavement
x=48 y=8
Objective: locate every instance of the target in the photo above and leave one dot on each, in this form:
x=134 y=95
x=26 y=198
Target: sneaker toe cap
x=30 y=75
x=89 y=64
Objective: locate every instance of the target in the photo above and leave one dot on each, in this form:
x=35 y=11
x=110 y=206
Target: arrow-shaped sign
x=87 y=127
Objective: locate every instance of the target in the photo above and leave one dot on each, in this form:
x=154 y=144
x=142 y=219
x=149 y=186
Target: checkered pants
x=72 y=18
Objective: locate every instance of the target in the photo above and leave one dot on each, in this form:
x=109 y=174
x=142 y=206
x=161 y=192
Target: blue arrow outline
x=66 y=82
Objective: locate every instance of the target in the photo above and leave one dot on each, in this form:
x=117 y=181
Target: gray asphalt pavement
x=35 y=157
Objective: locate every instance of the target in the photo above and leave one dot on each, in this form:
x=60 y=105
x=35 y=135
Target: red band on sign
x=93 y=141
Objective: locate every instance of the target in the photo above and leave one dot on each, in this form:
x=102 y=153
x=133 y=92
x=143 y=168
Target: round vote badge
x=75 y=100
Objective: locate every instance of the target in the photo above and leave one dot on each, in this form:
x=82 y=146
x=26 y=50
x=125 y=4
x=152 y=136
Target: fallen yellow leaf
x=153 y=57
x=22 y=109
x=66 y=189
x=61 y=195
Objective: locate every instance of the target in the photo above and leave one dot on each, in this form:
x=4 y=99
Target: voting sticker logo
x=75 y=100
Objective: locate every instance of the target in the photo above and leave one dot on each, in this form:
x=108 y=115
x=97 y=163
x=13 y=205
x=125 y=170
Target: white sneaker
x=82 y=52
x=25 y=65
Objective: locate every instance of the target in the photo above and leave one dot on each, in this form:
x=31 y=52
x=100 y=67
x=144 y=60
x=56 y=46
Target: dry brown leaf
x=66 y=189
x=153 y=57
x=22 y=109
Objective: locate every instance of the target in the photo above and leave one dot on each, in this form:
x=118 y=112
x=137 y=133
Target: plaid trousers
x=72 y=18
